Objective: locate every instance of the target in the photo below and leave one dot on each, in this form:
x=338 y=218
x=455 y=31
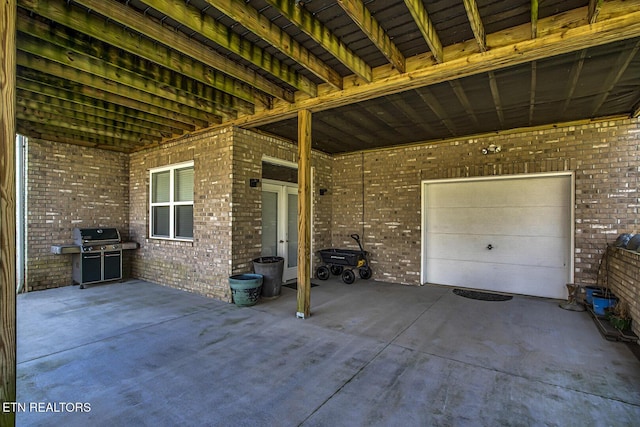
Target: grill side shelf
x=65 y=249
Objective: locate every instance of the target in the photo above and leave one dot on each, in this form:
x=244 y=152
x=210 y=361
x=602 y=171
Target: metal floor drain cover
x=482 y=296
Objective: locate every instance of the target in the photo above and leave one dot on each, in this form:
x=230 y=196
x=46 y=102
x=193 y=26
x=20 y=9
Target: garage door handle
x=489 y=246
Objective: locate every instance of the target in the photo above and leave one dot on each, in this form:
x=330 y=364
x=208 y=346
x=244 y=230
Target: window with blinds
x=171 y=202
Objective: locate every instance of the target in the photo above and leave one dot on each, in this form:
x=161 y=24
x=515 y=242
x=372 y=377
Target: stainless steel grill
x=97 y=254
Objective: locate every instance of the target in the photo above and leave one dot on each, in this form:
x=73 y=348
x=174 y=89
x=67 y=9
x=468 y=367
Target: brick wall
x=378 y=192
x=68 y=187
x=623 y=278
x=227 y=211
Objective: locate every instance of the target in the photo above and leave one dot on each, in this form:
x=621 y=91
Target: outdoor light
x=492 y=149
x=253 y=182
x=323 y=191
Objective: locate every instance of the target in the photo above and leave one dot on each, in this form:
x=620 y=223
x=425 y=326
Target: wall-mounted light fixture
x=253 y=182
x=323 y=191
x=492 y=149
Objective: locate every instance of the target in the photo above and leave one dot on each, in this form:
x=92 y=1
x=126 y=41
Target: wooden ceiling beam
x=372 y=29
x=309 y=25
x=76 y=18
x=208 y=27
x=157 y=54
x=532 y=90
x=33 y=100
x=152 y=94
x=574 y=77
x=594 y=10
x=473 y=14
x=506 y=50
x=260 y=25
x=37 y=131
x=534 y=19
x=464 y=100
x=617 y=70
x=143 y=76
x=83 y=96
x=428 y=30
x=51 y=123
x=495 y=94
x=437 y=108
x=41 y=106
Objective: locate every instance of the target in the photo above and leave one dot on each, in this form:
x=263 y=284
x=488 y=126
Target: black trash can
x=271 y=268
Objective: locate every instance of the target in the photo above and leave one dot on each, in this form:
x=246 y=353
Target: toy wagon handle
x=357 y=239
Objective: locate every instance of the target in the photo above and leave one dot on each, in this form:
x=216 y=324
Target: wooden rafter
x=142 y=75
x=594 y=10
x=532 y=90
x=476 y=24
x=437 y=108
x=308 y=24
x=495 y=94
x=208 y=27
x=464 y=100
x=118 y=88
x=372 y=29
x=617 y=70
x=557 y=40
x=574 y=77
x=534 y=19
x=142 y=47
x=428 y=30
x=260 y=25
x=84 y=96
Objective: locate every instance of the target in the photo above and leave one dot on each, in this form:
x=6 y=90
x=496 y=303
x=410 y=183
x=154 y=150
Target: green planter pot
x=245 y=288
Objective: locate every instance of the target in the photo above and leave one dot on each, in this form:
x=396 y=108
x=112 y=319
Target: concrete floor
x=371 y=354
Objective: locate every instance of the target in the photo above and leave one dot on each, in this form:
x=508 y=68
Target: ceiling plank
x=617 y=70
x=372 y=29
x=534 y=19
x=115 y=87
x=473 y=14
x=428 y=30
x=210 y=29
x=315 y=29
x=594 y=10
x=557 y=39
x=83 y=96
x=138 y=46
x=495 y=94
x=222 y=36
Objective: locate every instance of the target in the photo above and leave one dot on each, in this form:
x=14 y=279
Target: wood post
x=8 y=11
x=304 y=214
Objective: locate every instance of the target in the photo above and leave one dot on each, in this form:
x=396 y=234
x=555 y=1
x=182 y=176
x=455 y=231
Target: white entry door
x=280 y=225
x=512 y=234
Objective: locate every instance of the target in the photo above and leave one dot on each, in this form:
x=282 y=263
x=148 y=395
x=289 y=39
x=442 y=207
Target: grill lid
x=84 y=236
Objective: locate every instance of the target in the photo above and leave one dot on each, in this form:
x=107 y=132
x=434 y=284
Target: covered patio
x=372 y=353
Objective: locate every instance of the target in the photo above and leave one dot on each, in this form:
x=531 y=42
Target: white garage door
x=510 y=234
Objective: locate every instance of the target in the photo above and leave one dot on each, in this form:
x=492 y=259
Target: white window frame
x=171 y=203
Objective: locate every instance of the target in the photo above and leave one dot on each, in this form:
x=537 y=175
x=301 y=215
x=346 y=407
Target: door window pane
x=269 y=224
x=292 y=230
